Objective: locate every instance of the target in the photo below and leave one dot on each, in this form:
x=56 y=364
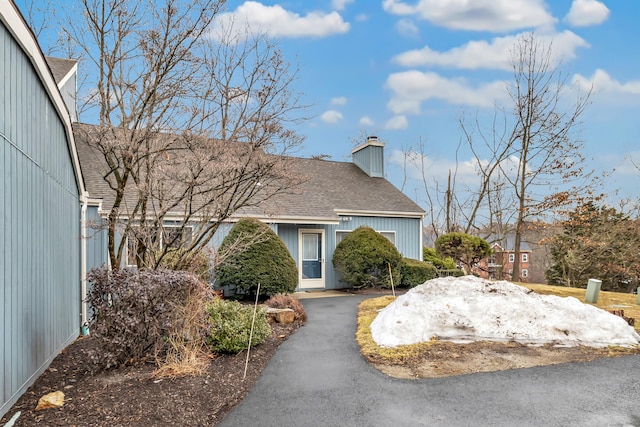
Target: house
x=333 y=199
x=500 y=264
x=41 y=207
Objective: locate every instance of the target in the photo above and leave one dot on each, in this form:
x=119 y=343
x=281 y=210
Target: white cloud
x=340 y=100
x=278 y=22
x=476 y=15
x=407 y=28
x=495 y=54
x=603 y=83
x=397 y=123
x=366 y=121
x=584 y=13
x=362 y=17
x=411 y=88
x=331 y=117
x=340 y=4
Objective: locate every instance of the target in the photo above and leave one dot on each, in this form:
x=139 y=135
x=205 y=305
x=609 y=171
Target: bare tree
x=528 y=161
x=547 y=154
x=192 y=124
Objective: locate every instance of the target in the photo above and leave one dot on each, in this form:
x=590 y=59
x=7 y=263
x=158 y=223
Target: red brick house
x=500 y=264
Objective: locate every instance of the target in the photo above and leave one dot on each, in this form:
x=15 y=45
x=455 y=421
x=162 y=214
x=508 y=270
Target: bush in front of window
x=252 y=253
x=363 y=258
x=416 y=272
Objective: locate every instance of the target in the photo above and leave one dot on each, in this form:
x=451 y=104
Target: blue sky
x=407 y=70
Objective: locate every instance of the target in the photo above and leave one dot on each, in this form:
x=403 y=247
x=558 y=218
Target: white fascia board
x=388 y=214
x=373 y=142
x=15 y=23
x=177 y=217
x=65 y=79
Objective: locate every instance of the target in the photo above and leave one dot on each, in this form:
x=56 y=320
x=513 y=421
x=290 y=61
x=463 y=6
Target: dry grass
x=185 y=355
x=368 y=310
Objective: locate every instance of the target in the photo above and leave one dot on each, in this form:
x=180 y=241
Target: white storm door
x=311 y=258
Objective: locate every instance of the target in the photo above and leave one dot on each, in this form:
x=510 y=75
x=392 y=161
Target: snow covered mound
x=464 y=309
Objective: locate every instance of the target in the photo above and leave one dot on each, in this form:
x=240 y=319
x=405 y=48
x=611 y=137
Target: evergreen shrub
x=231 y=326
x=255 y=254
x=363 y=258
x=416 y=272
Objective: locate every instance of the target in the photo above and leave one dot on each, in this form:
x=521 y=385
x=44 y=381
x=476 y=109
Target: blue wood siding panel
x=96 y=238
x=371 y=160
x=407 y=232
x=68 y=92
x=39 y=227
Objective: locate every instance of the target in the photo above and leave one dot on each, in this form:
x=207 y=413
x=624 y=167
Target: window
x=390 y=235
x=171 y=236
x=310 y=247
x=341 y=235
x=512 y=257
x=176 y=237
x=525 y=258
x=525 y=273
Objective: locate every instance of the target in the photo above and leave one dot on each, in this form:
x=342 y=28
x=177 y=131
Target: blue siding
x=68 y=92
x=407 y=231
x=39 y=227
x=96 y=238
x=371 y=160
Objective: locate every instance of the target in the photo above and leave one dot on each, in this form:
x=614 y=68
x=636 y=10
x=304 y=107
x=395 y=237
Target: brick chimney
x=370 y=157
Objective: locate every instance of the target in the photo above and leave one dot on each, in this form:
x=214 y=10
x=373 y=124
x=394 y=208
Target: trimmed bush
x=231 y=326
x=255 y=254
x=416 y=272
x=134 y=311
x=464 y=248
x=441 y=263
x=363 y=256
x=287 y=301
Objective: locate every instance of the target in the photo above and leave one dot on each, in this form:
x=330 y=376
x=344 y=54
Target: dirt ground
x=443 y=359
x=132 y=396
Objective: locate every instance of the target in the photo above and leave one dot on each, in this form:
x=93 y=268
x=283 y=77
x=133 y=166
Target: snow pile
x=465 y=309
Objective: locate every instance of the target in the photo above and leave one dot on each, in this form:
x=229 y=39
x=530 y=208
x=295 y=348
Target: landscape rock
x=281 y=315
x=51 y=400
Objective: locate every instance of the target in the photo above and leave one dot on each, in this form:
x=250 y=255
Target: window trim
x=525 y=257
x=512 y=257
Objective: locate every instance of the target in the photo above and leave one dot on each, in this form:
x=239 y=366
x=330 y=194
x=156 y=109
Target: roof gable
x=328 y=188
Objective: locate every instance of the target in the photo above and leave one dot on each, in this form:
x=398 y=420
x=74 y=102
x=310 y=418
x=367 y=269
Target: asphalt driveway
x=318 y=378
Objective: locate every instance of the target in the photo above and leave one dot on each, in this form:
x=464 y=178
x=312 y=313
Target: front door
x=311 y=258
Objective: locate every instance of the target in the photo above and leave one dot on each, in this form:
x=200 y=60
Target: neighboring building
x=334 y=199
x=41 y=195
x=500 y=264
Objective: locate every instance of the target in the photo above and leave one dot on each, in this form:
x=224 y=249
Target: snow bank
x=464 y=309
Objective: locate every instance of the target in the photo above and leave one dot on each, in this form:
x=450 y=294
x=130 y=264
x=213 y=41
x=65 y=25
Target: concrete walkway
x=318 y=378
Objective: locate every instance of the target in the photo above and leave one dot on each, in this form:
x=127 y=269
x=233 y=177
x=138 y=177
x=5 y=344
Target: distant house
x=500 y=264
x=41 y=199
x=334 y=199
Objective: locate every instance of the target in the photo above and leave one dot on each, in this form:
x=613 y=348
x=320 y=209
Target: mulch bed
x=132 y=396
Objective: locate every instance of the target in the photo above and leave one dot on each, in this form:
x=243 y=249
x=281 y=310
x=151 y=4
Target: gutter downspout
x=83 y=264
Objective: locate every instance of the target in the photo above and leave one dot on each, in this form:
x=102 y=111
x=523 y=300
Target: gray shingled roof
x=60 y=67
x=328 y=186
